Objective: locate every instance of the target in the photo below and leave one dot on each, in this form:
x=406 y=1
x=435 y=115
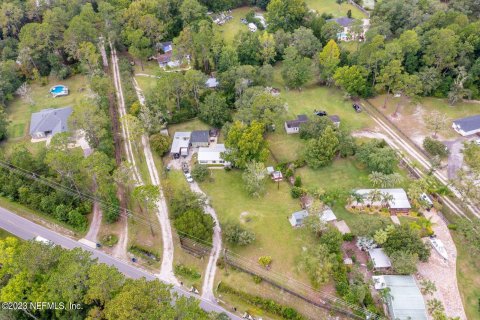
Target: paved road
x=26 y=229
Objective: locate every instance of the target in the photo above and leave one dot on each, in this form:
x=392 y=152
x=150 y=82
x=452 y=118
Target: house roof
x=166 y=46
x=297 y=217
x=200 y=136
x=343 y=21
x=213 y=153
x=400 y=199
x=54 y=120
x=180 y=140
x=164 y=58
x=270 y=170
x=468 y=123
x=252 y=26
x=334 y=118
x=211 y=82
x=406 y=300
x=379 y=258
x=301 y=118
x=327 y=215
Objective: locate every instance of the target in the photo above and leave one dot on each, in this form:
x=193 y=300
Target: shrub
x=109 y=240
x=298 y=181
x=200 y=172
x=297 y=192
x=289 y=173
x=187 y=272
x=160 y=143
x=452 y=226
x=237 y=235
x=257 y=279
x=265 y=261
x=348 y=237
x=435 y=147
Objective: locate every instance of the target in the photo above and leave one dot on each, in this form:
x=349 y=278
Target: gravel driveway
x=455 y=159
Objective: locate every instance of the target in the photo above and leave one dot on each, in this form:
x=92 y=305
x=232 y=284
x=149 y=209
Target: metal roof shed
x=406 y=300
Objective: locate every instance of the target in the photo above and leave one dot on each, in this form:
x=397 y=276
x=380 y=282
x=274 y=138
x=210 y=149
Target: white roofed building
x=398 y=202
x=180 y=144
x=212 y=155
x=379 y=259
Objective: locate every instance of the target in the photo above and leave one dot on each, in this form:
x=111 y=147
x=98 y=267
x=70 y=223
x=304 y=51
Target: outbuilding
x=467 y=126
x=200 y=138
x=180 y=144
x=212 y=155
x=296 y=219
x=49 y=122
x=398 y=203
x=293 y=126
x=379 y=259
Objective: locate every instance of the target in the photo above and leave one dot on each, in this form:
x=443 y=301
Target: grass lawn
x=191 y=125
x=332 y=7
x=146 y=83
x=234 y=26
x=411 y=119
x=19 y=110
x=266 y=216
x=149 y=67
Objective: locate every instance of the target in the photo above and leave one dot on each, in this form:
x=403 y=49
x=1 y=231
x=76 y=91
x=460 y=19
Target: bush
x=257 y=279
x=187 y=272
x=298 y=181
x=237 y=235
x=452 y=226
x=200 y=172
x=109 y=240
x=160 y=143
x=435 y=147
x=265 y=261
x=296 y=192
x=348 y=237
x=195 y=224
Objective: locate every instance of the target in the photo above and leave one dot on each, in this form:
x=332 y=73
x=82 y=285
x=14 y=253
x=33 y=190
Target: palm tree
x=392 y=180
x=374 y=196
x=376 y=178
x=356 y=197
x=387 y=199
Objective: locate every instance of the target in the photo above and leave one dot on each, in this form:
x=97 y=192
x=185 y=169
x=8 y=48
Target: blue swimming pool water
x=57 y=89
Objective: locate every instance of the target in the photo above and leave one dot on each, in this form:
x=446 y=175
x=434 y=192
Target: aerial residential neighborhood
x=263 y=159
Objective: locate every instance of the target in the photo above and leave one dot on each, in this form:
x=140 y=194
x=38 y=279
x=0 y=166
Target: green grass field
x=234 y=26
x=332 y=7
x=20 y=110
x=266 y=216
x=149 y=67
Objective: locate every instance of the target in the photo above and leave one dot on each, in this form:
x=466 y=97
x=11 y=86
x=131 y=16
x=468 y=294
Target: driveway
x=455 y=158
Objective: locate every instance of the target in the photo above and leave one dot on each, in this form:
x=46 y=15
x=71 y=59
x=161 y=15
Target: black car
x=320 y=113
x=357 y=107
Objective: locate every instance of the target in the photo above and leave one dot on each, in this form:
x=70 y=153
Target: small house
x=200 y=138
x=180 y=144
x=211 y=83
x=296 y=219
x=166 y=46
x=335 y=119
x=398 y=202
x=212 y=155
x=49 y=122
x=467 y=126
x=252 y=27
x=379 y=259
x=293 y=126
x=347 y=33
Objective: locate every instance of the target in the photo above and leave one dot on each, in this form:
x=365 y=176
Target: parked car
x=188 y=176
x=185 y=167
x=477 y=141
x=357 y=107
x=320 y=113
x=426 y=199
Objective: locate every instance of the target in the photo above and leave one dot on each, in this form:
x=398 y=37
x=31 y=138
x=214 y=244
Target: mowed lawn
x=412 y=116
x=266 y=216
x=332 y=7
x=234 y=26
x=19 y=110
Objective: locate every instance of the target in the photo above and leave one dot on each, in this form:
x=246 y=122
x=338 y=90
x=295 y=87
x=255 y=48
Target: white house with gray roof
x=399 y=202
x=467 y=126
x=49 y=122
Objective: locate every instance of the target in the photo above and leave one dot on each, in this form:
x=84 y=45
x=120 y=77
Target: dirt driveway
x=455 y=158
x=443 y=273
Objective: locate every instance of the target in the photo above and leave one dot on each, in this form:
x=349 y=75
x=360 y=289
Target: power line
x=182 y=235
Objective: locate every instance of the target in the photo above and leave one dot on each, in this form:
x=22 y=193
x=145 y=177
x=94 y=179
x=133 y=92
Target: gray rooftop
x=400 y=199
x=200 y=136
x=406 y=300
x=343 y=21
x=379 y=258
x=50 y=120
x=301 y=118
x=296 y=218
x=180 y=140
x=468 y=123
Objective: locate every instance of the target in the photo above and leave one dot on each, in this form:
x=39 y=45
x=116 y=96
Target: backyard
x=234 y=26
x=335 y=9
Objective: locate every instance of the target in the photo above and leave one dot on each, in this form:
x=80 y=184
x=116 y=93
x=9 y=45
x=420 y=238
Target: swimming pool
x=59 y=90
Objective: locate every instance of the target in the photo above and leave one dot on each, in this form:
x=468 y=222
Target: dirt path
x=92 y=233
x=208 y=282
x=443 y=273
x=166 y=270
x=403 y=146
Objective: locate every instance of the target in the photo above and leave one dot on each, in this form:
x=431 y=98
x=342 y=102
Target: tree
x=305 y=42
x=257 y=104
x=296 y=70
x=139 y=44
x=404 y=238
x=390 y=78
x=320 y=152
x=235 y=234
x=134 y=128
x=317 y=262
x=328 y=60
x=285 y=14
x=9 y=82
x=195 y=83
x=148 y=196
x=200 y=172
x=248 y=47
x=436 y=121
x=435 y=147
x=11 y=16
x=160 y=143
x=124 y=174
x=245 y=143
x=330 y=30
x=457 y=90
x=195 y=224
x=192 y=10
x=214 y=110
x=265 y=261
x=379 y=179
x=428 y=287
x=471 y=154
x=88 y=56
x=267 y=43
x=228 y=59
x=351 y=79
x=466 y=184
x=4 y=122
x=377 y=156
x=441 y=48
x=314 y=128
x=254 y=178
x=87 y=116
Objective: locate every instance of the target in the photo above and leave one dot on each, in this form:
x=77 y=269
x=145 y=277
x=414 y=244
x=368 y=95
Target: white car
x=188 y=176
x=477 y=141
